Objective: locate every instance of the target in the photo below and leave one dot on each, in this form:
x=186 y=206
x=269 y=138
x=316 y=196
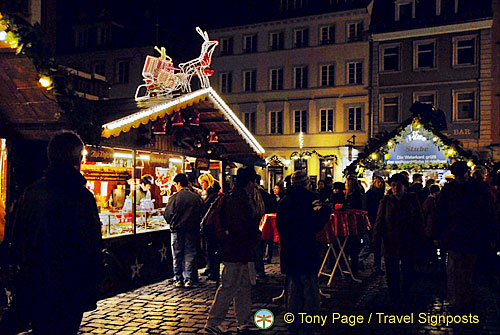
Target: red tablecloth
x=348 y=222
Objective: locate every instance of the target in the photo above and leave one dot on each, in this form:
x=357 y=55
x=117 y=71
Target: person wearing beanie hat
x=298 y=219
x=300 y=178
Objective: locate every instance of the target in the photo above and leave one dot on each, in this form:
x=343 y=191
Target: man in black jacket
x=183 y=214
x=57 y=242
x=298 y=220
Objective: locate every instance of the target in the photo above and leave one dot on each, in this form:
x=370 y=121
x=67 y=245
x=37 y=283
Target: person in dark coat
x=212 y=189
x=279 y=192
x=57 y=243
x=240 y=216
x=338 y=195
x=354 y=199
x=399 y=226
x=373 y=197
x=183 y=214
x=324 y=191
x=465 y=227
x=264 y=249
x=298 y=220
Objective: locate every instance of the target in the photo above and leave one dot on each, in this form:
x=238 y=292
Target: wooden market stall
x=194 y=133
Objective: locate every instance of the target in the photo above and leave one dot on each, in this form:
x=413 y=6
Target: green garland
x=80 y=113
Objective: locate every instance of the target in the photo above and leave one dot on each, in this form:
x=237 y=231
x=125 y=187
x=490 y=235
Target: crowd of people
x=410 y=222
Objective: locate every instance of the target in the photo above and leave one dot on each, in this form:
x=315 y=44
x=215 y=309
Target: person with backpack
x=239 y=216
x=183 y=213
x=211 y=187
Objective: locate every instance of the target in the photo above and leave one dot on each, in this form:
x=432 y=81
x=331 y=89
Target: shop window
x=355 y=73
x=301 y=38
x=276 y=79
x=424 y=55
x=326 y=120
x=250 y=43
x=354 y=118
x=390 y=108
x=226 y=46
x=300 y=121
x=249 y=81
x=250 y=121
x=464 y=50
x=327 y=75
x=276 y=122
x=276 y=40
x=327 y=35
x=300 y=77
x=226 y=82
x=390 y=58
x=464 y=105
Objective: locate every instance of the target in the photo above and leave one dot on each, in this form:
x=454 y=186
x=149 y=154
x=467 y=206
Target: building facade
x=437 y=52
x=300 y=75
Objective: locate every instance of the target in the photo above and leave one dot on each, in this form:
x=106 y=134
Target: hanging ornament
x=159 y=127
x=212 y=138
x=195 y=120
x=177 y=119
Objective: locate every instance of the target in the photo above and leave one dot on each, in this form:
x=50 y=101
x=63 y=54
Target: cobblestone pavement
x=162 y=309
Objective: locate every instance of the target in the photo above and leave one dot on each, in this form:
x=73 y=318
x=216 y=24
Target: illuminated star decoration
x=163 y=252
x=136 y=268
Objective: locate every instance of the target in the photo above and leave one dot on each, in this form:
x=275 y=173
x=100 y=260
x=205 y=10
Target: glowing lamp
x=470 y=164
x=3 y=36
x=374 y=156
x=390 y=144
x=45 y=81
x=450 y=152
x=435 y=139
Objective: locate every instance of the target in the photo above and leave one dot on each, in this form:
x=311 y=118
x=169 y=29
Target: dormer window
x=404 y=10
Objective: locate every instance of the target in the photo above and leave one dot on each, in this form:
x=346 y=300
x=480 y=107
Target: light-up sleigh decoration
x=161 y=78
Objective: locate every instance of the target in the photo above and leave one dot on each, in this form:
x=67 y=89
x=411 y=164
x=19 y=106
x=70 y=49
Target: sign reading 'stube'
x=416 y=151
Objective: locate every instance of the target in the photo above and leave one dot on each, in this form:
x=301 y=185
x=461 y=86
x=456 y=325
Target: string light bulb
x=45 y=81
x=374 y=156
x=3 y=36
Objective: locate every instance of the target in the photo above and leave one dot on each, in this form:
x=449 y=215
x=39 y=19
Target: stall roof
x=26 y=109
x=215 y=115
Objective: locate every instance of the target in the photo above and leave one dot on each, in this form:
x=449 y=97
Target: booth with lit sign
x=417 y=145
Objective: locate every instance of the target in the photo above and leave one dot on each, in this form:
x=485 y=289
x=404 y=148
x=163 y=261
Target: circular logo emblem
x=263 y=319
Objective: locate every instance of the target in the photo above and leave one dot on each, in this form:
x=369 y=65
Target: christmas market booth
x=193 y=133
x=418 y=145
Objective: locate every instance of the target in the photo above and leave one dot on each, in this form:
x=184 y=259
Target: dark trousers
x=259 y=258
x=213 y=262
x=400 y=276
x=56 y=321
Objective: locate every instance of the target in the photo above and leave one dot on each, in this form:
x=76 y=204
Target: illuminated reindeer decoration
x=162 y=79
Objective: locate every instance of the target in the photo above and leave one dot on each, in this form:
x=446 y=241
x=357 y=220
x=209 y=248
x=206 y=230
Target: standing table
x=349 y=222
x=342 y=223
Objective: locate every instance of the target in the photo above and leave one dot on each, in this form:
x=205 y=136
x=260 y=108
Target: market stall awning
x=26 y=109
x=215 y=115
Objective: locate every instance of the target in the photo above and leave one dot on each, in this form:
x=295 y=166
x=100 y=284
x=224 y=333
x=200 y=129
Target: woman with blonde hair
x=211 y=189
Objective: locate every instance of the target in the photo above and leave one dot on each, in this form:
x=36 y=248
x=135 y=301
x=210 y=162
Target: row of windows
x=425 y=54
x=406 y=10
x=464 y=105
x=300 y=77
x=122 y=70
x=300 y=120
x=464 y=109
x=301 y=37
